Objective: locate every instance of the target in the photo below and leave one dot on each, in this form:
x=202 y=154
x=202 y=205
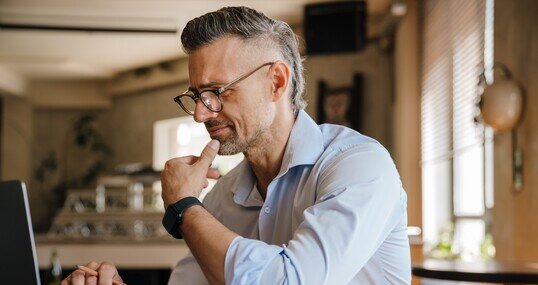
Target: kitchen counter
x=131 y=255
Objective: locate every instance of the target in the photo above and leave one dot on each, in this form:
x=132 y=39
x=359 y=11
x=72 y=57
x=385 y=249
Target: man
x=309 y=204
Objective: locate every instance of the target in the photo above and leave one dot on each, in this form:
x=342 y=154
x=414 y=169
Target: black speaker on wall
x=335 y=27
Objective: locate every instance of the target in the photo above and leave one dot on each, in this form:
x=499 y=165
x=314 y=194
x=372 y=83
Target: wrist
x=189 y=217
x=174 y=215
x=176 y=200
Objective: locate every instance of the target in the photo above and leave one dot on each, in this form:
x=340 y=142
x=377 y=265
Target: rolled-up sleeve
x=359 y=202
x=187 y=271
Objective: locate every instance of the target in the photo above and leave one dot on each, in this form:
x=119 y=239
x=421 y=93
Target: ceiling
x=52 y=55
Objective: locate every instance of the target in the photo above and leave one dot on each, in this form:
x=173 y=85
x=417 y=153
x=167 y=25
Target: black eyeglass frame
x=196 y=94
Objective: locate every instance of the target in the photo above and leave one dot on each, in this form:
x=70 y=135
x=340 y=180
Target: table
x=148 y=263
x=123 y=255
x=508 y=272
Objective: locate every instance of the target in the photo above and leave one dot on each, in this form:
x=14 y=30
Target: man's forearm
x=208 y=241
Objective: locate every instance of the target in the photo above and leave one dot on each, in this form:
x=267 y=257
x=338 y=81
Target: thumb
x=209 y=153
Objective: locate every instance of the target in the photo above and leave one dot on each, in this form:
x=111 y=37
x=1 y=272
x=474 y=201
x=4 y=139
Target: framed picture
x=341 y=105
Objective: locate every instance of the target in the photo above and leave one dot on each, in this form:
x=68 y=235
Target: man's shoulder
x=338 y=139
x=353 y=156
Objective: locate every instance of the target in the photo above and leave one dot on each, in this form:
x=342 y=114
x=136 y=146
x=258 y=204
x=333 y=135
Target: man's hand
x=187 y=176
x=107 y=272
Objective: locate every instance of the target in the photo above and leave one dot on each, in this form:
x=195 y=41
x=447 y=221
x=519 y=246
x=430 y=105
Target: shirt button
x=267 y=210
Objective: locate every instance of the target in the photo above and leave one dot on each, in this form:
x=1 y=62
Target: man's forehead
x=216 y=62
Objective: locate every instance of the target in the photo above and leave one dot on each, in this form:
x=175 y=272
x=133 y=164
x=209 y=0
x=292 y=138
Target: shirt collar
x=244 y=188
x=305 y=145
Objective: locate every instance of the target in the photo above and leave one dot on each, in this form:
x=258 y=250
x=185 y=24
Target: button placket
x=265 y=216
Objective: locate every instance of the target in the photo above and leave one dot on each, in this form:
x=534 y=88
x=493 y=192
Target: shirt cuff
x=246 y=260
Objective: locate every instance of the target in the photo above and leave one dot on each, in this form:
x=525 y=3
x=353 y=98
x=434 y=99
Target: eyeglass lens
x=210 y=100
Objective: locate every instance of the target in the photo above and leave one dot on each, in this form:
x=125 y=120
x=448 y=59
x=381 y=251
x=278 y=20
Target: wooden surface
x=515 y=216
x=416 y=257
x=493 y=271
x=406 y=106
x=126 y=256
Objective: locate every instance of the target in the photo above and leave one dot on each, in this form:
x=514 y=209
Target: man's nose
x=202 y=113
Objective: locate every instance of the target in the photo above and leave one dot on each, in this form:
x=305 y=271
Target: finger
x=106 y=273
x=91 y=280
x=206 y=184
x=77 y=277
x=213 y=173
x=118 y=279
x=92 y=265
x=208 y=154
x=189 y=159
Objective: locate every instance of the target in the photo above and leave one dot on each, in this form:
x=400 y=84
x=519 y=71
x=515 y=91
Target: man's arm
x=360 y=204
x=208 y=241
x=206 y=237
x=187 y=270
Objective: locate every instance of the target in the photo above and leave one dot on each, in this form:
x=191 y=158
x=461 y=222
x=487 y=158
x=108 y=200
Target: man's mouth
x=217 y=130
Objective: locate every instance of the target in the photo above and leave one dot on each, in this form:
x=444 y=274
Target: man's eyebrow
x=206 y=85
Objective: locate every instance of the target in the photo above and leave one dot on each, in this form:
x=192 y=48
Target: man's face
x=244 y=119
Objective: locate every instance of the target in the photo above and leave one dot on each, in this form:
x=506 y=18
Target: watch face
x=179 y=218
x=170 y=220
x=173 y=215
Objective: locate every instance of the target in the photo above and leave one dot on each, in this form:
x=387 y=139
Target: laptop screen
x=18 y=262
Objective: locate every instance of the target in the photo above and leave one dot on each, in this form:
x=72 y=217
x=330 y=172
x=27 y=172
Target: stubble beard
x=232 y=144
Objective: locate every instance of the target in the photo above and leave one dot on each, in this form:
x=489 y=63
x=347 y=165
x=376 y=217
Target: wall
x=129 y=126
x=59 y=94
x=515 y=217
x=53 y=134
x=337 y=71
x=11 y=83
x=17 y=139
x=406 y=116
x=16 y=145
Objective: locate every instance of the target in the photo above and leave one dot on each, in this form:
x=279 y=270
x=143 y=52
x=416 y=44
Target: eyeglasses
x=210 y=97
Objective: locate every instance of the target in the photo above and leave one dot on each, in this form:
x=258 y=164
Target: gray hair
x=247 y=24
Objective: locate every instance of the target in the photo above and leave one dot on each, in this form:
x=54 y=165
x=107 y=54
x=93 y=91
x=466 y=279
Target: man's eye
x=226 y=92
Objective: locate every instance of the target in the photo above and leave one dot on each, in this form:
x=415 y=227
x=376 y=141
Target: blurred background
x=449 y=87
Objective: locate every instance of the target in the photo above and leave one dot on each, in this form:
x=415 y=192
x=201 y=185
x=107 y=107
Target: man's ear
x=280 y=79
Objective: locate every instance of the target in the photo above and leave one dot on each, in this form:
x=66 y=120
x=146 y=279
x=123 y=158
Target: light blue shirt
x=335 y=214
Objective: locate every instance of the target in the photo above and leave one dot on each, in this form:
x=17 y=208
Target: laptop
x=18 y=259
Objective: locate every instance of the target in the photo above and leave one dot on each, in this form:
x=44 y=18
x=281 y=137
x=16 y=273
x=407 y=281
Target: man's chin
x=229 y=148
x=228 y=144
x=226 y=153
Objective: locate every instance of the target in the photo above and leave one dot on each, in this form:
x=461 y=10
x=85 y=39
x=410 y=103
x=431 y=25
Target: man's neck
x=266 y=160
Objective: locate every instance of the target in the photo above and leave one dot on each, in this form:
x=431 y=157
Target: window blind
x=452 y=143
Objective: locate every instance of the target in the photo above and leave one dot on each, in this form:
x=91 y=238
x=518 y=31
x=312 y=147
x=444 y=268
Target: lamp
x=501 y=108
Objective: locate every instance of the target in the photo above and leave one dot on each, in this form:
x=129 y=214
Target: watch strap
x=173 y=216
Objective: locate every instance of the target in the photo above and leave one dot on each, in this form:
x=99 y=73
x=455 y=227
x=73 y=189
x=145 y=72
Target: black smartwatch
x=173 y=216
